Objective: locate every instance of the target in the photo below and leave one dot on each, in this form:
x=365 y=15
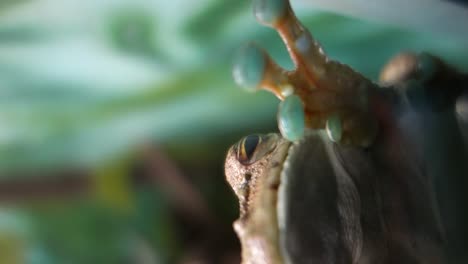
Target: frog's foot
x=425 y=81
x=319 y=93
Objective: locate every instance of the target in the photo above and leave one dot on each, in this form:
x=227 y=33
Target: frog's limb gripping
x=328 y=92
x=307 y=54
x=291 y=118
x=254 y=68
x=424 y=81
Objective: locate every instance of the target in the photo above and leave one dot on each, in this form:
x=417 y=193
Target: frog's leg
x=319 y=93
x=427 y=84
x=425 y=80
x=437 y=95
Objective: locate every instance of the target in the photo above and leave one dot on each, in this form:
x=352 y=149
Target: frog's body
x=362 y=193
x=314 y=201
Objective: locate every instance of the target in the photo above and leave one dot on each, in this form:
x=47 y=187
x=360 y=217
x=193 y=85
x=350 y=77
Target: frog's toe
x=291 y=118
x=334 y=128
x=255 y=69
x=305 y=51
x=407 y=66
x=347 y=129
x=270 y=12
x=424 y=80
x=249 y=67
x=400 y=68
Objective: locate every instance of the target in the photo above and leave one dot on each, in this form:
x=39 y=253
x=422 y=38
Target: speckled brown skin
x=256 y=188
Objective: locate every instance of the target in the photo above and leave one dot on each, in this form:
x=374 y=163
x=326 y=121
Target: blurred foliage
x=85 y=83
x=70 y=72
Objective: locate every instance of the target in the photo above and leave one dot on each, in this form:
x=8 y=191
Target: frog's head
x=253 y=167
x=251 y=160
x=288 y=194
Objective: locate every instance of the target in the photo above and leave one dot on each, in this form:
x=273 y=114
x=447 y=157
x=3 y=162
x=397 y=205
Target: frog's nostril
x=248 y=176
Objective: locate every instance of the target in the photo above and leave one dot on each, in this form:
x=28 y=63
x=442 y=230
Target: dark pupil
x=250 y=144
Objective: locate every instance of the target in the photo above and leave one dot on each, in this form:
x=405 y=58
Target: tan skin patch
x=257 y=226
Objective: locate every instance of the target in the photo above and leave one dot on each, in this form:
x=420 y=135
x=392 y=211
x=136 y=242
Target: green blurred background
x=115 y=117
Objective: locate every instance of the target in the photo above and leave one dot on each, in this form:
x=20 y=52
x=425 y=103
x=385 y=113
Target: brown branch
x=25 y=189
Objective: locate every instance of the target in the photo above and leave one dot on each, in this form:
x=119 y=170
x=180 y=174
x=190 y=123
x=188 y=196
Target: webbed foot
x=319 y=93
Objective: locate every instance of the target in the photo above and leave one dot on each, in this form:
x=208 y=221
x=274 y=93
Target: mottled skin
x=256 y=187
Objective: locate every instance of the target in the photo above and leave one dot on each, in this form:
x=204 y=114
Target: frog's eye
x=252 y=148
x=246 y=148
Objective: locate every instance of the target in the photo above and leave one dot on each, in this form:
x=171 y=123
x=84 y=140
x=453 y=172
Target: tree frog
x=343 y=182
